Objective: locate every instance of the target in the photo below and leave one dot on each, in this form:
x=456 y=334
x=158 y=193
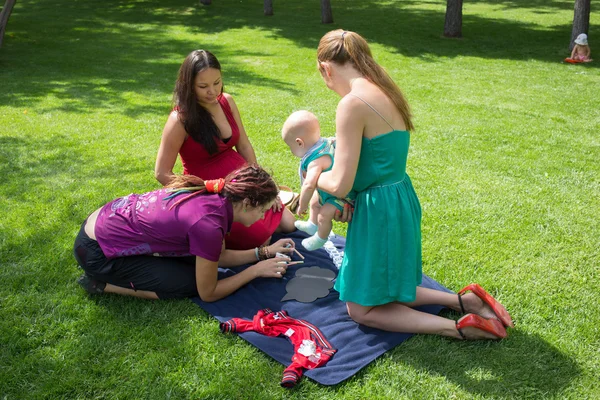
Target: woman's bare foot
x=475 y=327
x=473 y=304
x=472 y=333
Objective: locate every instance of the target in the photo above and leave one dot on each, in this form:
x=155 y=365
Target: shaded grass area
x=504 y=161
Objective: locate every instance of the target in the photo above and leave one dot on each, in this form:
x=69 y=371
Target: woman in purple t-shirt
x=169 y=243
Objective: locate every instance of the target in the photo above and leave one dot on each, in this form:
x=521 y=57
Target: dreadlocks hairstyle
x=342 y=47
x=198 y=122
x=249 y=182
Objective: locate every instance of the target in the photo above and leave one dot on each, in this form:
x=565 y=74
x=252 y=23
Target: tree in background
x=581 y=20
x=6 y=10
x=268 y=7
x=453 y=23
x=326 y=14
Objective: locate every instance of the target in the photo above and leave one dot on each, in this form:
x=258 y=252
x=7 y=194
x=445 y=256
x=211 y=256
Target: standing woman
x=205 y=129
x=140 y=245
x=381 y=270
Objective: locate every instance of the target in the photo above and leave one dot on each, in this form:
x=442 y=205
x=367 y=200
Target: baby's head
x=300 y=132
x=582 y=40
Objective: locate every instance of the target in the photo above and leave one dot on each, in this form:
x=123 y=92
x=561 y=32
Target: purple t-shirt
x=142 y=224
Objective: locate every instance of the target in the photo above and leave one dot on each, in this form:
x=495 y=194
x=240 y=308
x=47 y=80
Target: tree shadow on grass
x=542 y=5
x=91 y=55
x=34 y=160
x=408 y=28
x=102 y=57
x=55 y=166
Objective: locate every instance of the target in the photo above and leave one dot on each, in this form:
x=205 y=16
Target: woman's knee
x=358 y=313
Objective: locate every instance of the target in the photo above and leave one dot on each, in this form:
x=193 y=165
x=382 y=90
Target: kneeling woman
x=142 y=245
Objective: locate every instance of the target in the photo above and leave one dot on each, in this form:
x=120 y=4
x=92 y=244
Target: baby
x=301 y=132
x=581 y=51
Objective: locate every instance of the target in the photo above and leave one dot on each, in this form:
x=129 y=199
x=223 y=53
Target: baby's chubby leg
x=310 y=226
x=324 y=219
x=315 y=208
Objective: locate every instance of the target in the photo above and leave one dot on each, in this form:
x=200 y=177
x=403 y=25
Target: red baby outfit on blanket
x=311 y=349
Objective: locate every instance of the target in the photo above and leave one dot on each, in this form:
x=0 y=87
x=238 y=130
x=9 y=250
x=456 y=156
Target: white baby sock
x=313 y=243
x=306 y=226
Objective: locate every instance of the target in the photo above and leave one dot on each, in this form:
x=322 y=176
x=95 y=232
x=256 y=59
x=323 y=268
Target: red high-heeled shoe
x=491 y=325
x=498 y=308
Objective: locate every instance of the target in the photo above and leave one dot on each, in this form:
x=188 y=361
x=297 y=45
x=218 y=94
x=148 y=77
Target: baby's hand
x=301 y=211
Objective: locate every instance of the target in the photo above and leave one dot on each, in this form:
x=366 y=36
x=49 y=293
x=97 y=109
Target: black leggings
x=168 y=277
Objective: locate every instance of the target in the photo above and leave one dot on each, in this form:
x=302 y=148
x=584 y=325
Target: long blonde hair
x=342 y=47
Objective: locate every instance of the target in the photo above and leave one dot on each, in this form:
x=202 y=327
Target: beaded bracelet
x=261 y=253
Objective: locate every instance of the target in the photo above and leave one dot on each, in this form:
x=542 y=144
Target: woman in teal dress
x=381 y=272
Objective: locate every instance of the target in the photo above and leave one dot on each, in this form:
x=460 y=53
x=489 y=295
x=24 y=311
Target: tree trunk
x=268 y=7
x=206 y=2
x=453 y=24
x=326 y=14
x=6 y=10
x=581 y=20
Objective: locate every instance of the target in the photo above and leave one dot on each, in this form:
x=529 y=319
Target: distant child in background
x=301 y=132
x=581 y=52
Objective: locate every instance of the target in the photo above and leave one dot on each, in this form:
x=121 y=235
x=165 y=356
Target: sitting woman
x=204 y=127
x=169 y=243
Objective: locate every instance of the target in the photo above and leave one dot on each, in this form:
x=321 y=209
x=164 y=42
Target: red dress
x=197 y=161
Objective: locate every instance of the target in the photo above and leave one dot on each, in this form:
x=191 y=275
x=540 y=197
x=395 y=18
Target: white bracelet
x=256 y=253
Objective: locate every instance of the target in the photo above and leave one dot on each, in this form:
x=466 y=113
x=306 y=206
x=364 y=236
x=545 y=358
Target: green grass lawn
x=504 y=160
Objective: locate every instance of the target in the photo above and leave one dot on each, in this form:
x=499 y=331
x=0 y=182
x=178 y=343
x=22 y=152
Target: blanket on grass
x=356 y=345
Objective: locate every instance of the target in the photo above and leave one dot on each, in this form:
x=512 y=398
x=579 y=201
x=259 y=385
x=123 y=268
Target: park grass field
x=504 y=160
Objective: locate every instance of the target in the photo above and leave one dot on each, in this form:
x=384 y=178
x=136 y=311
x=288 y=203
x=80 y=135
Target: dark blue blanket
x=357 y=345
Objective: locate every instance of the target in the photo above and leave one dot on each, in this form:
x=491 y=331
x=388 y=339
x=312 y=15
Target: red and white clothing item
x=311 y=349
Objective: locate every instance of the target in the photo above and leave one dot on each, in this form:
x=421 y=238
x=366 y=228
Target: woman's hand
x=281 y=246
x=345 y=216
x=277 y=205
x=271 y=268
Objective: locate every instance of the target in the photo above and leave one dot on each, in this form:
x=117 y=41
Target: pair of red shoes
x=492 y=325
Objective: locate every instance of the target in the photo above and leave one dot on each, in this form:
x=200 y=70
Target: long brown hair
x=198 y=122
x=250 y=183
x=342 y=47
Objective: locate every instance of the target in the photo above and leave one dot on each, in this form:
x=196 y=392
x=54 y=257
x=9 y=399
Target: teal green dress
x=382 y=259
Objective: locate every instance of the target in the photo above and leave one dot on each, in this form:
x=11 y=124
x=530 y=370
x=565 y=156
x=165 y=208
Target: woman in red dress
x=206 y=130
